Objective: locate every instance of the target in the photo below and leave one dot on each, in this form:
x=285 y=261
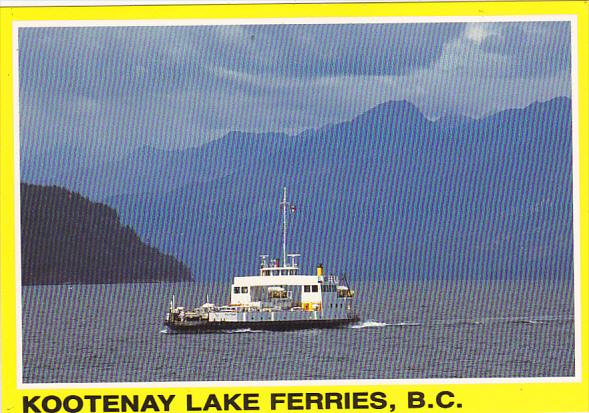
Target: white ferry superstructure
x=277 y=298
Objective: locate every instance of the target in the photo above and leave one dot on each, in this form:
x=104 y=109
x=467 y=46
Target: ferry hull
x=286 y=325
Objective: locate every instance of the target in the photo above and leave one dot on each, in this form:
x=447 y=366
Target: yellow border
x=474 y=397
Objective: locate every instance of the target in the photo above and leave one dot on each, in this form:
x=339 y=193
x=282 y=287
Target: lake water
x=409 y=330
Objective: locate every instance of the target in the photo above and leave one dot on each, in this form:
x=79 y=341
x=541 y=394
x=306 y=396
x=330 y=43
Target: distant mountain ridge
x=387 y=193
x=67 y=239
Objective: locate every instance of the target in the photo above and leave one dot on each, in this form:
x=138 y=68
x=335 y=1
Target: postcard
x=294 y=207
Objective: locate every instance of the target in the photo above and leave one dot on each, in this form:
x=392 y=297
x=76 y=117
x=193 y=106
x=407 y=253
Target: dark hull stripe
x=289 y=325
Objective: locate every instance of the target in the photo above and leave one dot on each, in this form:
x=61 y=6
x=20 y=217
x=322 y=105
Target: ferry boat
x=277 y=298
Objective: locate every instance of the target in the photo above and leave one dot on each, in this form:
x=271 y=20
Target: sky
x=114 y=89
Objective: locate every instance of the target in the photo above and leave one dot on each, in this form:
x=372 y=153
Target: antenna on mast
x=284 y=205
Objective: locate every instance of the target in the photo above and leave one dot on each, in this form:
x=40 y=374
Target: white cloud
x=477 y=32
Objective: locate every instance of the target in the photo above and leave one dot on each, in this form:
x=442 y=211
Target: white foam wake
x=370 y=324
x=242 y=330
x=406 y=323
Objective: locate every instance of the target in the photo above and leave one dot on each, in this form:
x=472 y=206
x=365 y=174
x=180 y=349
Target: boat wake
x=242 y=331
x=370 y=324
x=510 y=320
x=406 y=324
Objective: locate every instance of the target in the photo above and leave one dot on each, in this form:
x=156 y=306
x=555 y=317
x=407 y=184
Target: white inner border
x=572 y=19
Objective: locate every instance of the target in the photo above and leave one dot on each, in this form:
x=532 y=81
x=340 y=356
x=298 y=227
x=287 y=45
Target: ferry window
x=307 y=288
x=236 y=290
x=244 y=290
x=315 y=288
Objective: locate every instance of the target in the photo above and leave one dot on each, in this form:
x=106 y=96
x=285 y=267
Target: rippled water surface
x=409 y=329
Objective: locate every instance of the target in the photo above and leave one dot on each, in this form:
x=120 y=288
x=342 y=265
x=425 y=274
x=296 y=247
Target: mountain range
x=389 y=193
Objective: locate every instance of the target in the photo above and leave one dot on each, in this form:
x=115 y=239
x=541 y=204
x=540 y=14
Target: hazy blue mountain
x=146 y=169
x=388 y=193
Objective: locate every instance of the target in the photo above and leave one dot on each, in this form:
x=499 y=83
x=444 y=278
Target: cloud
x=477 y=32
x=121 y=87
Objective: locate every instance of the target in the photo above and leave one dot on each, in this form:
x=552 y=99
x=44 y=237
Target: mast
x=284 y=206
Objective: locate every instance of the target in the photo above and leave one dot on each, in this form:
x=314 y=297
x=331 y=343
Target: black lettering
x=92 y=402
x=230 y=401
x=360 y=400
x=276 y=398
x=166 y=401
x=440 y=401
x=132 y=404
x=295 y=401
x=250 y=401
x=68 y=406
x=378 y=399
x=314 y=399
x=212 y=402
x=30 y=404
x=150 y=403
x=110 y=403
x=333 y=398
x=46 y=407
x=347 y=400
x=189 y=405
x=416 y=399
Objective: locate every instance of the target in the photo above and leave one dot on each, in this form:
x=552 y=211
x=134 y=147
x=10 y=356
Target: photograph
x=297 y=200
